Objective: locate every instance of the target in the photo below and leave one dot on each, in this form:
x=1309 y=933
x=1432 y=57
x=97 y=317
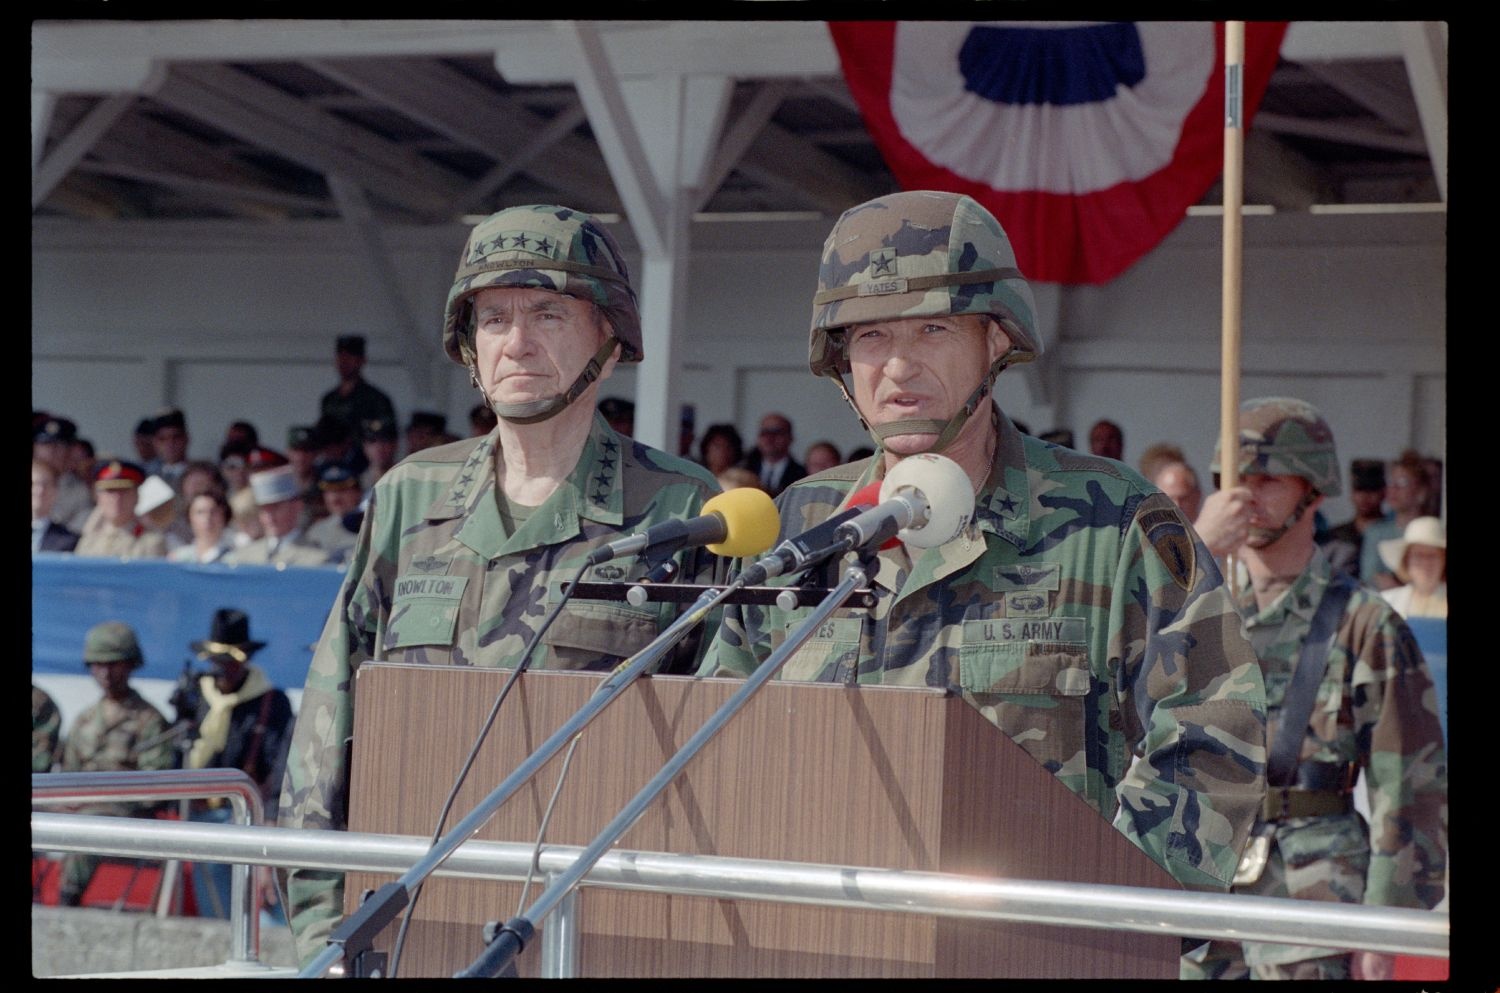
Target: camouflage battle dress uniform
x=46 y=730
x=436 y=578
x=1079 y=612
x=1375 y=711
x=112 y=736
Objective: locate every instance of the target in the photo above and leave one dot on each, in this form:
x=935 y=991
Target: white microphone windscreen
x=950 y=497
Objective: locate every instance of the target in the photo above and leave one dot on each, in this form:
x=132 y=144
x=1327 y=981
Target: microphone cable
x=463 y=774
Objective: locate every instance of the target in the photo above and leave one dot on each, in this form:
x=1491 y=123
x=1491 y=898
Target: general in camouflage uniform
x=463 y=553
x=1078 y=611
x=119 y=733
x=1374 y=709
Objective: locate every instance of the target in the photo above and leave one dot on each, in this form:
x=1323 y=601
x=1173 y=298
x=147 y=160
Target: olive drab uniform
x=1084 y=618
x=46 y=730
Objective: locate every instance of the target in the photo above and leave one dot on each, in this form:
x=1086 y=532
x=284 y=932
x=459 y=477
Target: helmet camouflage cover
x=1283 y=436
x=918 y=254
x=543 y=247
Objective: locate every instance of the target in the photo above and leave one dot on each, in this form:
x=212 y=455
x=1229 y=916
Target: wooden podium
x=873 y=777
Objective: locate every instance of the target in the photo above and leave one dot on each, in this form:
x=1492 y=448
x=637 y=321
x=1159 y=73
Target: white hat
x=1427 y=531
x=274 y=485
x=153 y=493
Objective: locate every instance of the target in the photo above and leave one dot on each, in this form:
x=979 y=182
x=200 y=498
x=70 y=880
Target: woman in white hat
x=1419 y=558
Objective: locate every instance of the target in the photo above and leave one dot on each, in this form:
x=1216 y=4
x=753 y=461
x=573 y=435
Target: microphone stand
x=511 y=937
x=353 y=939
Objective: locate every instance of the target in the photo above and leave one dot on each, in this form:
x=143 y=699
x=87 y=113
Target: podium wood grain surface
x=870 y=777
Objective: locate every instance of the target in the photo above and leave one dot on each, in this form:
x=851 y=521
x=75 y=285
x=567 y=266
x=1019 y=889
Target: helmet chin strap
x=536 y=411
x=1268 y=537
x=946 y=431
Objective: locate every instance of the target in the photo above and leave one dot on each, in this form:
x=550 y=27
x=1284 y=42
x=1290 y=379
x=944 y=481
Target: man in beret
x=378 y=439
x=341 y=494
x=119 y=733
x=113 y=530
x=354 y=400
x=425 y=430
x=52 y=443
x=283 y=541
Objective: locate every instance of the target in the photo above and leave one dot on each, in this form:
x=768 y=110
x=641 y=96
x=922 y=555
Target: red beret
x=117 y=475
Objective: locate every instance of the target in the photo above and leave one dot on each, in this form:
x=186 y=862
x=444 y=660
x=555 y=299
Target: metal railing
x=173 y=784
x=1149 y=911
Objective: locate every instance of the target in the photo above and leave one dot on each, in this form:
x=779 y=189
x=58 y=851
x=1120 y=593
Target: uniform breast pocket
x=598 y=635
x=424 y=611
x=829 y=653
x=1035 y=693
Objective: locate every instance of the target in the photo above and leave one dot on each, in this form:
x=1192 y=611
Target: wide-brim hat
x=228 y=638
x=153 y=493
x=1427 y=531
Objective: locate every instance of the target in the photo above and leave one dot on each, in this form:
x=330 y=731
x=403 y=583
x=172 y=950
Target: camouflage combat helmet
x=919 y=254
x=112 y=641
x=550 y=248
x=1283 y=436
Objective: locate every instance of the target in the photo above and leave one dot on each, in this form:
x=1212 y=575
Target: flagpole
x=1234 y=152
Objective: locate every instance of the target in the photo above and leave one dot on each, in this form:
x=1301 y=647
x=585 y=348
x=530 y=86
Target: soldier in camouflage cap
x=465 y=548
x=120 y=732
x=1373 y=710
x=1078 y=611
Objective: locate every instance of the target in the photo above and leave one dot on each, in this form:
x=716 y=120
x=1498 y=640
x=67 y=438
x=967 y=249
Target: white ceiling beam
x=71 y=150
x=255 y=112
x=751 y=121
x=1317 y=41
x=615 y=131
x=1343 y=132
x=1425 y=45
x=1390 y=105
x=783 y=159
x=549 y=137
x=464 y=111
x=205 y=187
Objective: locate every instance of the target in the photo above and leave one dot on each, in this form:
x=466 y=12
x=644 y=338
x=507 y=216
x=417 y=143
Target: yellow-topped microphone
x=751 y=521
x=736 y=522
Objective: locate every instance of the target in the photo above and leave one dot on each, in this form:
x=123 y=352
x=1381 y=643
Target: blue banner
x=172 y=604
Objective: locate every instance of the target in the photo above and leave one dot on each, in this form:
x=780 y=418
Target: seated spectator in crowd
x=284 y=542
x=721 y=447
x=112 y=529
x=208 y=516
x=156 y=508
x=243 y=722
x=736 y=476
x=46 y=534
x=821 y=455
x=771 y=458
x=244 y=518
x=1344 y=543
x=1107 y=439
x=145 y=446
x=52 y=443
x=241 y=435
x=119 y=733
x=234 y=469
x=1406 y=491
x=302 y=453
x=341 y=499
x=860 y=452
x=378 y=438
x=1059 y=436
x=620 y=415
x=46 y=730
x=1159 y=454
x=199 y=477
x=169 y=437
x=1419 y=559
x=425 y=429
x=81 y=461
x=338 y=445
x=1179 y=481
x=482 y=421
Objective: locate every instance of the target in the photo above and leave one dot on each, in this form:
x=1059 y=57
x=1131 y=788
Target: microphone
x=813 y=545
x=925 y=501
x=735 y=523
